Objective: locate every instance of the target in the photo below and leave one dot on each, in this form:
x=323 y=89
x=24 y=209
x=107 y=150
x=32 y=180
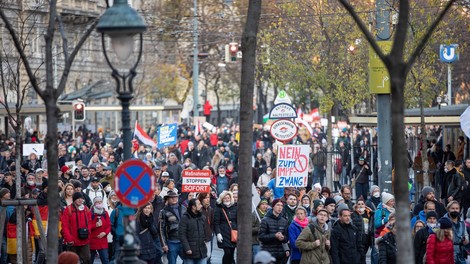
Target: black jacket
x=440 y=209
x=269 y=226
x=209 y=218
x=346 y=244
x=192 y=235
x=361 y=173
x=419 y=242
x=388 y=249
x=147 y=236
x=221 y=225
x=454 y=184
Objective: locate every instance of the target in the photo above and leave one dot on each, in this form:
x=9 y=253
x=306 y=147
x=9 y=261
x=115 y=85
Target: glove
x=219 y=237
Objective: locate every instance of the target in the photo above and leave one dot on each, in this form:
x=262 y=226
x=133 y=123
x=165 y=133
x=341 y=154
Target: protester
x=421 y=237
x=314 y=241
x=100 y=228
x=170 y=217
x=273 y=233
x=388 y=247
x=191 y=233
x=147 y=231
x=225 y=220
x=295 y=228
x=439 y=247
x=346 y=243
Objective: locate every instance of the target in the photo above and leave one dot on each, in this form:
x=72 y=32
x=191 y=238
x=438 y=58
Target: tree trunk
x=329 y=153
x=219 y=113
x=52 y=112
x=399 y=156
x=246 y=131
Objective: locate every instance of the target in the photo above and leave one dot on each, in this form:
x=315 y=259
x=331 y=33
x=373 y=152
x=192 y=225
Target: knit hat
x=431 y=214
x=64 y=169
x=426 y=190
x=386 y=197
x=97 y=199
x=68 y=257
x=264 y=257
x=329 y=200
x=317 y=186
x=276 y=201
x=373 y=188
x=263 y=190
x=317 y=203
x=338 y=198
x=445 y=223
x=301 y=208
x=77 y=195
x=341 y=207
x=263 y=201
x=3 y=191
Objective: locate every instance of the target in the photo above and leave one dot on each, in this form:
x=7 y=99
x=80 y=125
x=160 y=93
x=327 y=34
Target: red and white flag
x=315 y=114
x=300 y=114
x=142 y=136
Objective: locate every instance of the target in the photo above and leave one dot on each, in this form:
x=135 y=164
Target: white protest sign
x=292 y=166
x=37 y=149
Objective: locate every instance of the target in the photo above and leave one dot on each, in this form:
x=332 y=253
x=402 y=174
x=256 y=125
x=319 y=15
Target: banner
x=196 y=181
x=142 y=136
x=167 y=135
x=292 y=166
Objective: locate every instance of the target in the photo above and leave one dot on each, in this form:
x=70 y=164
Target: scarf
x=146 y=221
x=97 y=211
x=302 y=223
x=261 y=213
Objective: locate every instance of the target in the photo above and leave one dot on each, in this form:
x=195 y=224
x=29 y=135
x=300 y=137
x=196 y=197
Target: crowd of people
x=343 y=223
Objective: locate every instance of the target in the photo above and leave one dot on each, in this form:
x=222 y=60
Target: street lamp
x=121 y=23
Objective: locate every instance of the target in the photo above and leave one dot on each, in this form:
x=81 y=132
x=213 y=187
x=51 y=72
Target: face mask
x=305 y=205
x=227 y=203
x=432 y=225
x=30 y=183
x=454 y=214
x=376 y=195
x=361 y=210
x=446 y=170
x=107 y=189
x=186 y=164
x=221 y=175
x=114 y=201
x=81 y=207
x=99 y=206
x=269 y=172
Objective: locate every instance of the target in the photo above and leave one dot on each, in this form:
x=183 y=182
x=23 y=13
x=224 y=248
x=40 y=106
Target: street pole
x=195 y=64
x=384 y=106
x=449 y=84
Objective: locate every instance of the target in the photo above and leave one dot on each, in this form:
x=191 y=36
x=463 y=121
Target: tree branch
x=364 y=30
x=69 y=62
x=64 y=38
x=21 y=52
x=427 y=36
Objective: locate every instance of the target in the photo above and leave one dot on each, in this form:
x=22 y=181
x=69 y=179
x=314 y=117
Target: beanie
x=64 y=169
x=276 y=201
x=77 y=195
x=386 y=197
x=338 y=198
x=431 y=214
x=317 y=203
x=317 y=185
x=426 y=190
x=329 y=200
x=68 y=257
x=342 y=207
x=97 y=199
x=3 y=191
x=445 y=223
x=373 y=188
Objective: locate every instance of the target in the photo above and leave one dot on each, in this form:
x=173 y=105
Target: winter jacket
x=95 y=242
x=117 y=219
x=92 y=193
x=460 y=232
x=419 y=244
x=294 y=231
x=439 y=252
x=169 y=223
x=360 y=173
x=440 y=209
x=147 y=236
x=366 y=229
x=255 y=226
x=373 y=203
x=269 y=226
x=209 y=226
x=388 y=249
x=381 y=216
x=73 y=219
x=346 y=244
x=454 y=182
x=192 y=235
x=221 y=225
x=288 y=213
x=312 y=254
x=421 y=216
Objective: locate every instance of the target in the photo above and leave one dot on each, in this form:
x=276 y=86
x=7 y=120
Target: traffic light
x=233 y=49
x=79 y=111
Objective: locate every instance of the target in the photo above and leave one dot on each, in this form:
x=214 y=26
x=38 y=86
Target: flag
x=140 y=134
x=197 y=129
x=306 y=125
x=300 y=114
x=315 y=114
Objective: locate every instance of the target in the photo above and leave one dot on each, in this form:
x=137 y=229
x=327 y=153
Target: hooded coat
x=312 y=254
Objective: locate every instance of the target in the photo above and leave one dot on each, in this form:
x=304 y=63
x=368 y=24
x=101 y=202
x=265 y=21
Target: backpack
x=338 y=166
x=312 y=229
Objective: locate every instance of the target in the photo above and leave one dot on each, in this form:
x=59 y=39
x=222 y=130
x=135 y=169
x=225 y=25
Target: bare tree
x=49 y=94
x=398 y=69
x=246 y=130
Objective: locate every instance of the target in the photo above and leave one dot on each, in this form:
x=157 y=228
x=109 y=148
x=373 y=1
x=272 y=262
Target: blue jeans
x=374 y=255
x=174 y=249
x=195 y=261
x=4 y=255
x=318 y=175
x=255 y=249
x=103 y=255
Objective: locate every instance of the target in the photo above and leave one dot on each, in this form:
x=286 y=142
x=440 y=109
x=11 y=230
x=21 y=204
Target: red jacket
x=207 y=109
x=70 y=225
x=214 y=139
x=438 y=252
x=95 y=242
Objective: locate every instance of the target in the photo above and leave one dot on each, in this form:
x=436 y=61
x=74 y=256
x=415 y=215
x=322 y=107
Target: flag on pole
x=197 y=129
x=300 y=114
x=315 y=114
x=142 y=136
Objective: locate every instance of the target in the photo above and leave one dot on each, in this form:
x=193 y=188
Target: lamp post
x=121 y=23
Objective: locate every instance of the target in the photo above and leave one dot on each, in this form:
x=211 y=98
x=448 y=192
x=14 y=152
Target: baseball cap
x=165 y=174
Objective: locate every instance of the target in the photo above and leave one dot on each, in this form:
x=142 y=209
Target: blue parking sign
x=167 y=135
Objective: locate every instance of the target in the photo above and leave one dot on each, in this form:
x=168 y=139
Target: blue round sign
x=134 y=183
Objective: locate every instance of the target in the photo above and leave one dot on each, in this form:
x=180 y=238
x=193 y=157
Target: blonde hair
x=440 y=234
